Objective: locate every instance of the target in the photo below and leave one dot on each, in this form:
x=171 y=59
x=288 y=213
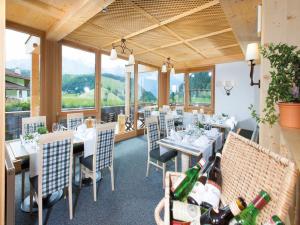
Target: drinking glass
x=55 y=127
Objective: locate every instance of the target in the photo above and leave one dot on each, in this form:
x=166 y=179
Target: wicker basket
x=247 y=168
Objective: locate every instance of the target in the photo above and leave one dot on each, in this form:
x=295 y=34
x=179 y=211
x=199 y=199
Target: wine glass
x=55 y=127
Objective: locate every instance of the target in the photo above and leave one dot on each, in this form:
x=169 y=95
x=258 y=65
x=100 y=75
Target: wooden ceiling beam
x=77 y=15
x=165 y=22
x=41 y=7
x=188 y=40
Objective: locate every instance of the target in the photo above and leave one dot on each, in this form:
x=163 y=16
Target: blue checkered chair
x=54 y=169
x=162 y=122
x=74 y=120
x=30 y=125
x=179 y=111
x=179 y=121
x=147 y=114
x=170 y=124
x=103 y=155
x=153 y=135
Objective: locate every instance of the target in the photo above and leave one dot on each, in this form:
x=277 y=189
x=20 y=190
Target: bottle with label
x=197 y=193
x=274 y=220
x=185 y=183
x=184 y=212
x=215 y=216
x=248 y=216
x=212 y=195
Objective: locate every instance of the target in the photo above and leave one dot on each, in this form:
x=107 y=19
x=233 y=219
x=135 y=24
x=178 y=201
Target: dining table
x=186 y=144
x=20 y=152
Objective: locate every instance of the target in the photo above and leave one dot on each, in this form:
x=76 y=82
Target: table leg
x=185 y=161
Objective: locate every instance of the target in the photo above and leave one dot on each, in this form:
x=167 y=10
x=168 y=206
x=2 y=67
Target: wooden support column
x=35 y=84
x=2 y=109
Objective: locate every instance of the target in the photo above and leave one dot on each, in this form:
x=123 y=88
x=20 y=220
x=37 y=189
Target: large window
x=200 y=84
x=147 y=86
x=21 y=80
x=78 y=79
x=176 y=96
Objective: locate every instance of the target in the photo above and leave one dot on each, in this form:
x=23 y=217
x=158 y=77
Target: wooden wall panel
x=281 y=22
x=2 y=109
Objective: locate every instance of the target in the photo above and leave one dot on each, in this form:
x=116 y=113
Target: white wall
x=242 y=95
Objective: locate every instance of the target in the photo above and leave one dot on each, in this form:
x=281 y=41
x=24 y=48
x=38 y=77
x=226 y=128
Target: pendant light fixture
x=124 y=48
x=167 y=65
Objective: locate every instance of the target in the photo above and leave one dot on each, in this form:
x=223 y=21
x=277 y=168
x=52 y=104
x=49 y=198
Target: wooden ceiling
x=192 y=32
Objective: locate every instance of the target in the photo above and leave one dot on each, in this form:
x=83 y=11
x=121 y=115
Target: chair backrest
x=153 y=134
x=147 y=113
x=55 y=161
x=103 y=155
x=166 y=107
x=32 y=124
x=111 y=117
x=179 y=110
x=248 y=168
x=74 y=120
x=195 y=118
x=162 y=121
x=170 y=124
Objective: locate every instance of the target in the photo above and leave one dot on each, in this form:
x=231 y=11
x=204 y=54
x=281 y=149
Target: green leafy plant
x=285 y=79
x=200 y=125
x=42 y=130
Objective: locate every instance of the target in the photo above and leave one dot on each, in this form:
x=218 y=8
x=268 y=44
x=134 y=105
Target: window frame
x=88 y=111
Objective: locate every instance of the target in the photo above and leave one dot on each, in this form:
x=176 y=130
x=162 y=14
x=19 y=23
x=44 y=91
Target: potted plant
x=284 y=86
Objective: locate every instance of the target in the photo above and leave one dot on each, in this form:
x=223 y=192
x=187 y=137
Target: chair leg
x=31 y=199
x=112 y=178
x=148 y=164
x=164 y=174
x=40 y=208
x=70 y=202
x=94 y=186
x=176 y=163
x=23 y=185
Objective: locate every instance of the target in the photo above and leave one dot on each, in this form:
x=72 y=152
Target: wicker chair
x=248 y=168
x=58 y=149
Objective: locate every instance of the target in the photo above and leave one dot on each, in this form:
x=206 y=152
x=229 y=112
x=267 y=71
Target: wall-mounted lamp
x=252 y=55
x=228 y=86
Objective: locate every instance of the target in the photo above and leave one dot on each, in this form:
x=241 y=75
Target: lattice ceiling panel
x=211 y=53
x=151 y=58
x=178 y=52
x=154 y=38
x=219 y=40
x=162 y=9
x=28 y=16
x=121 y=18
x=200 y=23
x=91 y=33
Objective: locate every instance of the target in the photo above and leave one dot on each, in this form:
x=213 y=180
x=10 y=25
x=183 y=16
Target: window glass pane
x=78 y=79
x=147 y=86
x=177 y=89
x=200 y=88
x=20 y=60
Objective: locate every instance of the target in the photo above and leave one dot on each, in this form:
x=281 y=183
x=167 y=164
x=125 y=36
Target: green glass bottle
x=184 y=184
x=274 y=220
x=248 y=216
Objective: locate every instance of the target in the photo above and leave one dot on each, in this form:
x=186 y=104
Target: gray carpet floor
x=132 y=203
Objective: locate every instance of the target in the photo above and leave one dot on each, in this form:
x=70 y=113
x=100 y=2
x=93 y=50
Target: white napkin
x=231 y=123
x=175 y=136
x=186 y=139
x=202 y=141
x=89 y=143
x=81 y=129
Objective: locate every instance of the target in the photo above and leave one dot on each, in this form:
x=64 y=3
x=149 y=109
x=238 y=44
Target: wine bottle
x=215 y=216
x=185 y=212
x=195 y=196
x=248 y=215
x=184 y=184
x=212 y=195
x=274 y=220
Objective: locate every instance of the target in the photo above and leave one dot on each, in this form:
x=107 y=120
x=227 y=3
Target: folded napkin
x=81 y=129
x=231 y=122
x=201 y=141
x=175 y=136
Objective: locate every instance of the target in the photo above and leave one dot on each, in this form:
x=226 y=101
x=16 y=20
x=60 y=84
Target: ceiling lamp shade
x=252 y=52
x=113 y=54
x=172 y=71
x=131 y=60
x=164 y=68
